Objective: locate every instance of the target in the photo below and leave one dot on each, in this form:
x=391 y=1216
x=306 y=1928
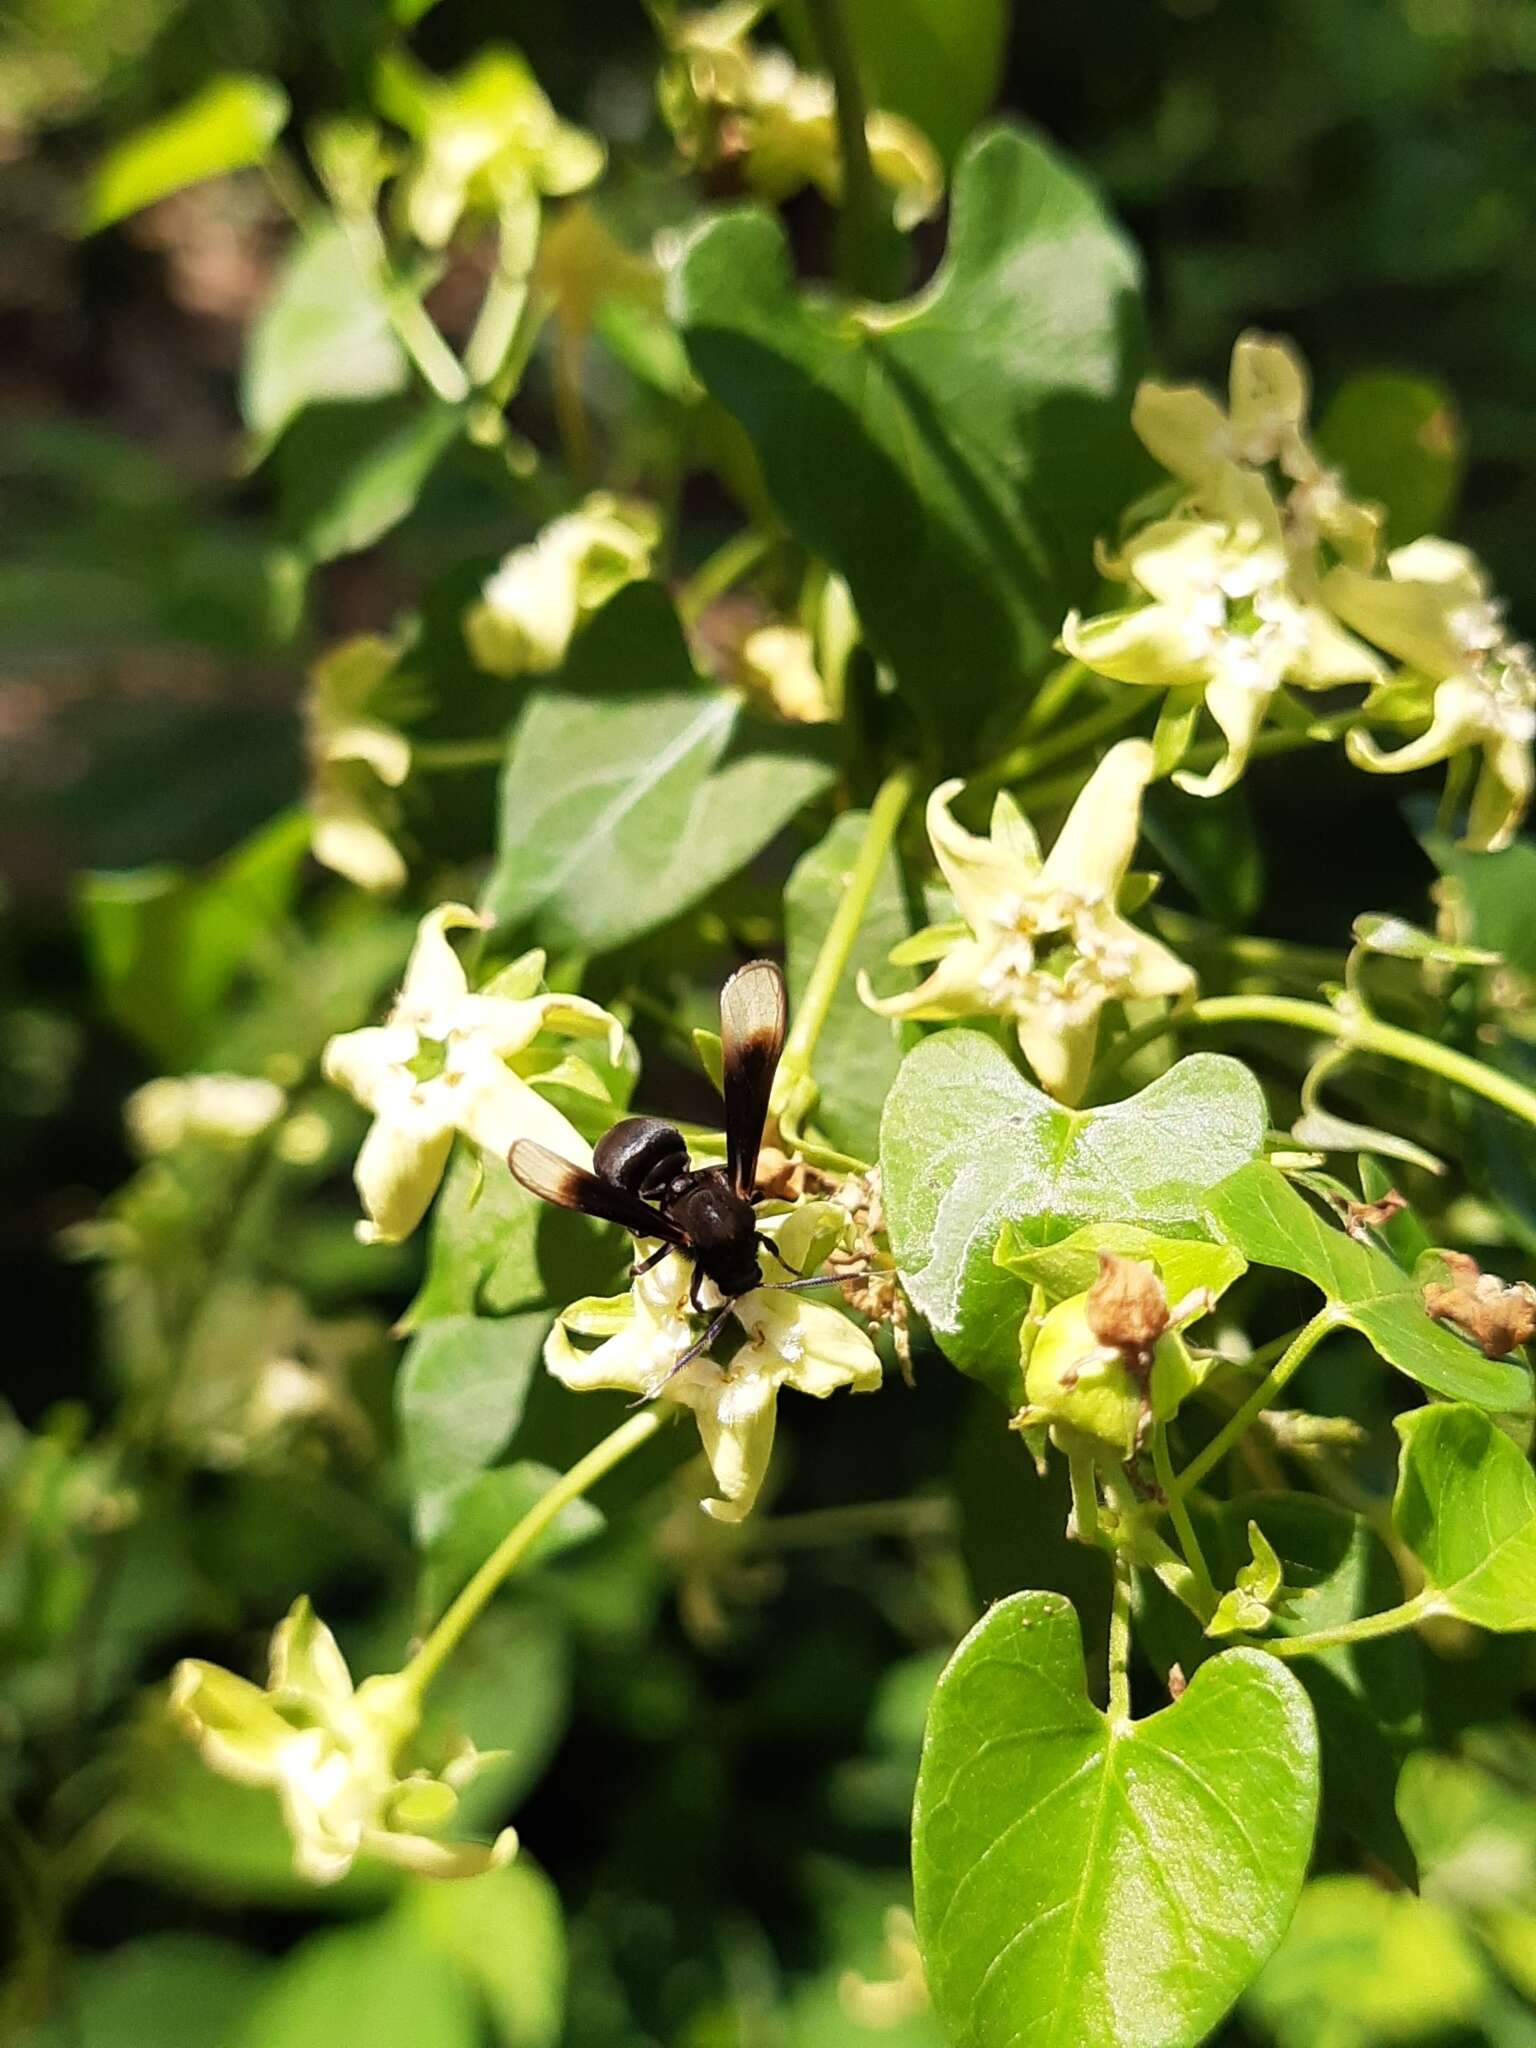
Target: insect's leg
x=766 y=1243
x=694 y=1285
x=645 y=1265
x=688 y=1356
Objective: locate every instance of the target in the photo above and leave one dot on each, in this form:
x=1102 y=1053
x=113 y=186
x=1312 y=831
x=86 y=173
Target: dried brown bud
x=1127 y=1308
x=1178 y=1684
x=1361 y=1218
x=1496 y=1317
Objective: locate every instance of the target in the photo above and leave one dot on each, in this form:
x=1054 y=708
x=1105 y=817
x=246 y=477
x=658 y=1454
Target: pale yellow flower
x=357 y=760
x=440 y=1065
x=330 y=1751
x=1227 y=615
x=226 y=1110
x=790 y=1341
x=532 y=604
x=1042 y=942
x=1468 y=681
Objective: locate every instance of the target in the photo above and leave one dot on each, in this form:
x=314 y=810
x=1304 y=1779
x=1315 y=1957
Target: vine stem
x=1119 y=1706
x=891 y=800
x=1189 y=1542
x=1275 y=739
x=1368 y=1034
x=1365 y=1629
x=721 y=571
x=1060 y=745
x=861 y=224
x=520 y=1539
x=1295 y=1355
x=432 y=756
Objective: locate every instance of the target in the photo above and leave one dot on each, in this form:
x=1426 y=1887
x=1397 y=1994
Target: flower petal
x=1182 y=427
x=368 y=1063
x=954 y=989
x=1457 y=723
x=1150 y=643
x=238 y=1731
x=1270 y=395
x=399 y=1166
x=988 y=881
x=429 y=1858
x=494 y=1107
x=306 y=1662
x=1411 y=616
x=1095 y=845
x=1502 y=795
x=736 y=1414
x=434 y=974
x=1060 y=1043
x=1239 y=706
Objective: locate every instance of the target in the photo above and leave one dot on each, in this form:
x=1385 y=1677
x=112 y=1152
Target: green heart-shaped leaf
x=1265 y=1217
x=952 y=457
x=1466 y=1507
x=967 y=1146
x=1083 y=1884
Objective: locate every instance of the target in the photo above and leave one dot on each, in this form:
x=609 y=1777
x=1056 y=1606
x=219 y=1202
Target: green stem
x=1369 y=1035
x=864 y=225
x=1364 y=1630
x=1032 y=755
x=413 y=325
x=927 y=1516
x=1189 y=1542
x=430 y=756
x=721 y=571
x=1083 y=1476
x=1119 y=1707
x=520 y=1539
x=1302 y=1345
x=1275 y=739
x=831 y=962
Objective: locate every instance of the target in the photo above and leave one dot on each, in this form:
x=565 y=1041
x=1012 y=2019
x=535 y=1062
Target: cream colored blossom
x=487 y=141
x=781 y=662
x=227 y=1110
x=1042 y=942
x=1263 y=428
x=1224 y=613
x=330 y=1751
x=357 y=760
x=534 y=602
x=1467 y=681
x=790 y=1341
x=726 y=100
x=441 y=1064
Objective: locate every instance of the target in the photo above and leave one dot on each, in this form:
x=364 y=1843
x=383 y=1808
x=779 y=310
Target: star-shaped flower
x=534 y=602
x=1226 y=615
x=1264 y=429
x=440 y=1064
x=1042 y=942
x=330 y=1751
x=789 y=1342
x=1466 y=675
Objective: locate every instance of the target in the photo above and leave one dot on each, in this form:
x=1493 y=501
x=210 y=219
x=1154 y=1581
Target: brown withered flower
x=1495 y=1316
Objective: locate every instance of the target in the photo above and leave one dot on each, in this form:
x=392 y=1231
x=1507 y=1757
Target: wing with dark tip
x=753 y=1013
x=553 y=1179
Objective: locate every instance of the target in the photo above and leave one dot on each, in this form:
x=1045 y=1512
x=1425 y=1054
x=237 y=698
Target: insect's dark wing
x=753 y=1013
x=553 y=1179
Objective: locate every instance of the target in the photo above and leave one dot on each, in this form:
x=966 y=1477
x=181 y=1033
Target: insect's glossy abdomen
x=642 y=1154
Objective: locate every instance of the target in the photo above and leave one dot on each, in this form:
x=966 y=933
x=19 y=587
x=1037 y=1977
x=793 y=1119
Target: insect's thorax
x=721 y=1227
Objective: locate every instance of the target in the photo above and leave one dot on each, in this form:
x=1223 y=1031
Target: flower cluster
x=789 y=1341
x=728 y=102
x=330 y=1751
x=1042 y=942
x=532 y=604
x=1265 y=573
x=445 y=1061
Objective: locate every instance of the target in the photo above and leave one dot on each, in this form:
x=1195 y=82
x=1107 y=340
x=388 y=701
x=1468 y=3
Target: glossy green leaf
x=939 y=62
x=1398 y=441
x=1265 y=1217
x=967 y=1146
x=483 y=1510
x=858 y=1052
x=166 y=946
x=952 y=457
x=323 y=334
x=1082 y=1884
x=1466 y=1506
x=1368 y=1697
x=462 y=1388
x=624 y=804
x=347 y=474
x=175 y=1990
x=394 y=1988
x=505 y=1934
x=1072 y=1265
x=1498 y=890
x=1361 y=1966
x=230 y=122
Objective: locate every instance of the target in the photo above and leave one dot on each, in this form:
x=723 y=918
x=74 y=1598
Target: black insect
x=643 y=1179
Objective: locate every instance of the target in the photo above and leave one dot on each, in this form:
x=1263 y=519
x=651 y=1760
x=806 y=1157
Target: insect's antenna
x=688 y=1356
x=820 y=1280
